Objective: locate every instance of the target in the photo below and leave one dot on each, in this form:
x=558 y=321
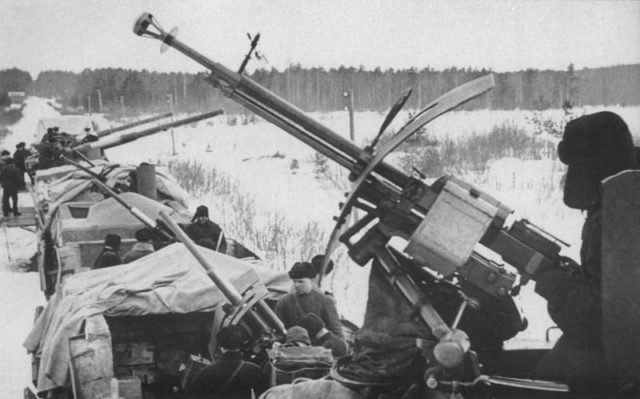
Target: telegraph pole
x=348 y=98
x=89 y=104
x=99 y=101
x=173 y=118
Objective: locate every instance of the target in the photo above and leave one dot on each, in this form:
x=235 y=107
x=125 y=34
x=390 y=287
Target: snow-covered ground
x=245 y=152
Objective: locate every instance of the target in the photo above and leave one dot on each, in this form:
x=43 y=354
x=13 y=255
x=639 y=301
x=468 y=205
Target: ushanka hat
x=302 y=270
x=602 y=138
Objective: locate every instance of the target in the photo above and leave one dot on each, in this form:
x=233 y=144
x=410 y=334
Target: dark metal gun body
x=106 y=132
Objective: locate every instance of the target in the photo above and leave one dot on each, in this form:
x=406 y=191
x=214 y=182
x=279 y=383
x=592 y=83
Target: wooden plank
x=621 y=273
x=91 y=361
x=26 y=219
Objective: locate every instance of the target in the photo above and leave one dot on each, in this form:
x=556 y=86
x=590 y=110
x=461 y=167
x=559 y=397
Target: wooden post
x=99 y=101
x=348 y=96
x=89 y=104
x=173 y=118
x=621 y=273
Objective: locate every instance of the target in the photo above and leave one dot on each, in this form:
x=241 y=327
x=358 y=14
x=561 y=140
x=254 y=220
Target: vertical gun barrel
x=107 y=132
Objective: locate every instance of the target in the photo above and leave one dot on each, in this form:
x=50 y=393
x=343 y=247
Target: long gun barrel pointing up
x=273 y=108
x=106 y=132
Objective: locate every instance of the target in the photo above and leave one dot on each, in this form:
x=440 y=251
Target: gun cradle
x=458 y=219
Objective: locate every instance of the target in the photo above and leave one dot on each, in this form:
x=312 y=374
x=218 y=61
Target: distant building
x=17 y=99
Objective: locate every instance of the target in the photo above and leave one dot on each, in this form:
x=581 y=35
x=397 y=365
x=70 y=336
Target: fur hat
x=201 y=211
x=602 y=137
x=302 y=270
x=20 y=144
x=112 y=240
x=316 y=261
x=312 y=323
x=144 y=234
x=231 y=337
x=297 y=334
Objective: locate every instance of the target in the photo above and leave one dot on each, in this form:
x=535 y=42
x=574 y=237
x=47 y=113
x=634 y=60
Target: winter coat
x=206 y=234
x=10 y=177
x=574 y=302
x=229 y=377
x=138 y=250
x=20 y=156
x=108 y=257
x=291 y=307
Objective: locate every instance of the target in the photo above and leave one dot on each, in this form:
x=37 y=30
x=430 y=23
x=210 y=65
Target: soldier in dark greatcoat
x=10 y=180
x=110 y=255
x=594 y=147
x=19 y=157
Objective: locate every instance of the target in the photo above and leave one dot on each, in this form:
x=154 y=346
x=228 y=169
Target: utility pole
x=99 y=101
x=173 y=118
x=348 y=99
x=184 y=89
x=89 y=104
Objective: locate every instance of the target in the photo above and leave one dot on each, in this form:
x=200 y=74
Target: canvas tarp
x=64 y=188
x=109 y=216
x=167 y=281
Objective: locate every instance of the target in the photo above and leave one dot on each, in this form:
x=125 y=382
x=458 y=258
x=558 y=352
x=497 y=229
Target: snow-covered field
x=245 y=152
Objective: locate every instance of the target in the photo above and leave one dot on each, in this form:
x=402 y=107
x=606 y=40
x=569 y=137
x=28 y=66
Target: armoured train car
x=129 y=328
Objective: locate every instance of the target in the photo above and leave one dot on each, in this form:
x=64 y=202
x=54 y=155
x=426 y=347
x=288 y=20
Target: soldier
x=19 y=157
x=205 y=232
x=110 y=255
x=320 y=336
x=594 y=147
x=143 y=246
x=306 y=298
x=230 y=376
x=10 y=180
x=297 y=336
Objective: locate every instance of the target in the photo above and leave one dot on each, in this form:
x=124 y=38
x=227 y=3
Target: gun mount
x=442 y=223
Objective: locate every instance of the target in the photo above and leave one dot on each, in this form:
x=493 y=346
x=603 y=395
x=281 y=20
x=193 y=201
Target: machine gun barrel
x=129 y=137
x=106 y=132
x=273 y=108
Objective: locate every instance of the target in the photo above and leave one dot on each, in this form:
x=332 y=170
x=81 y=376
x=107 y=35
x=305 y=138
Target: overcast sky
x=502 y=35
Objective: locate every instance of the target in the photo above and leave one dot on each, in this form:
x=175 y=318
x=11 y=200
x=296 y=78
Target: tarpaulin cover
x=109 y=216
x=63 y=189
x=167 y=281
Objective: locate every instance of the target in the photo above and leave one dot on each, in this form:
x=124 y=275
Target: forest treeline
x=117 y=90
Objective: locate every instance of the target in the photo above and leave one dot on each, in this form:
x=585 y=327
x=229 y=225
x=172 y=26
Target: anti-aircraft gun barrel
x=115 y=141
x=106 y=132
x=274 y=109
